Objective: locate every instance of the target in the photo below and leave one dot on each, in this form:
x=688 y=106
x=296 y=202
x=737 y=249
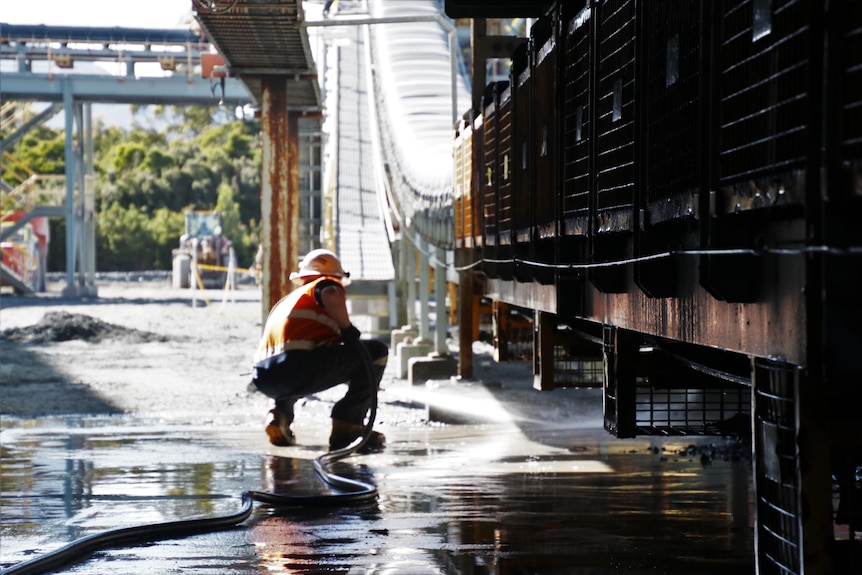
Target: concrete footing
x=434 y=366
x=407 y=350
x=75 y=291
x=406 y=333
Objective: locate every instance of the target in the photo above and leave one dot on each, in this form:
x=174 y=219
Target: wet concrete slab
x=520 y=491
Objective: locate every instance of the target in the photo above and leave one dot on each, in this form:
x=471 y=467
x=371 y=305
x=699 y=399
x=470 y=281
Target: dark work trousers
x=300 y=373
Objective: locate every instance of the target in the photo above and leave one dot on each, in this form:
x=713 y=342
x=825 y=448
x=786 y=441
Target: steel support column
x=408 y=255
x=80 y=203
x=279 y=190
x=465 y=324
x=424 y=328
x=620 y=350
x=69 y=160
x=442 y=317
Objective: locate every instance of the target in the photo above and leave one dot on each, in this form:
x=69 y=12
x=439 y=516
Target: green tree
x=128 y=156
x=156 y=160
x=166 y=227
x=43 y=151
x=171 y=160
x=234 y=228
x=124 y=240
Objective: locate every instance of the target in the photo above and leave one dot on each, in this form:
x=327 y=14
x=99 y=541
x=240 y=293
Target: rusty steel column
x=279 y=191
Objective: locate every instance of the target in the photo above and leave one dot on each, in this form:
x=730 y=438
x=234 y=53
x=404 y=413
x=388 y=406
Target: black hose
x=355 y=491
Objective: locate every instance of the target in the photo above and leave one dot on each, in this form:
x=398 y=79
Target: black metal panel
x=463 y=176
x=674 y=155
x=491 y=173
x=576 y=148
x=769 y=92
x=778 y=539
x=672 y=76
x=544 y=61
x=619 y=352
x=577 y=119
x=615 y=115
x=615 y=138
x=477 y=188
x=764 y=85
x=848 y=27
x=522 y=162
x=504 y=183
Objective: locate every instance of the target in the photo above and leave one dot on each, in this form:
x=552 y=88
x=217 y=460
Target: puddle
x=469 y=499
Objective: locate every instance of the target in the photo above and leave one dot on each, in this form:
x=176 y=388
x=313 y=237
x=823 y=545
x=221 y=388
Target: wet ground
x=503 y=497
x=487 y=477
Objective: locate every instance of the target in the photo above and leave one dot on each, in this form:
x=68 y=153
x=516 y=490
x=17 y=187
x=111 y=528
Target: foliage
x=171 y=160
x=43 y=151
x=234 y=227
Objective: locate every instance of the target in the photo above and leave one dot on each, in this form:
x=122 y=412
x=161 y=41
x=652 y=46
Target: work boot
x=344 y=433
x=278 y=429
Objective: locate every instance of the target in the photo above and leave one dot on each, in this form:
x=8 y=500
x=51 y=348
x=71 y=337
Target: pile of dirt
x=64 y=326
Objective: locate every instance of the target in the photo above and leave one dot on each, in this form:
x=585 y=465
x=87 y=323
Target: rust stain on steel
x=280 y=191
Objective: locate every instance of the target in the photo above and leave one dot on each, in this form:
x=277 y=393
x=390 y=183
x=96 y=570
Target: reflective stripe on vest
x=298 y=322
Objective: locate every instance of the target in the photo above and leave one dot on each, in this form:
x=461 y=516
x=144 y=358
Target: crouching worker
x=306 y=349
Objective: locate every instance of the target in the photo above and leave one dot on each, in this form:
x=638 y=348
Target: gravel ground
x=145 y=349
x=140 y=347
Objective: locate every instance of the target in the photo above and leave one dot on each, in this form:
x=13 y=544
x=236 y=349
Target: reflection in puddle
x=455 y=499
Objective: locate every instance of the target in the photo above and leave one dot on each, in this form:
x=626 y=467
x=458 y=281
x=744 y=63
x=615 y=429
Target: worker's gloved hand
x=350 y=333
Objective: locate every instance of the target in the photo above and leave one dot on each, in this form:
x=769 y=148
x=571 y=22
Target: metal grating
x=764 y=88
x=477 y=185
x=461 y=193
x=577 y=120
x=513 y=334
x=521 y=145
x=851 y=69
x=674 y=45
x=504 y=178
x=544 y=73
x=720 y=410
x=469 y=223
x=576 y=371
x=615 y=117
x=491 y=176
x=262 y=38
x=779 y=533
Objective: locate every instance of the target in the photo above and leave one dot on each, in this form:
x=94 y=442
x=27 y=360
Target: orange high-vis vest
x=297 y=321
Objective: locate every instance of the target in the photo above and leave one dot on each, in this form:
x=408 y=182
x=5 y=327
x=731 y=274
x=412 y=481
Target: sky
x=97 y=13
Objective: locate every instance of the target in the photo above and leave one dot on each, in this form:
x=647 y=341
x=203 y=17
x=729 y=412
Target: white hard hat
x=320 y=262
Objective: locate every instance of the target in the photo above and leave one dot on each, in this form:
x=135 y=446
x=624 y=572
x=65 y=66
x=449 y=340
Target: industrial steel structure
x=667 y=192
x=39 y=65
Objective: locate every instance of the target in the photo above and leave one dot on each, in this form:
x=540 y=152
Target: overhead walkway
x=39 y=64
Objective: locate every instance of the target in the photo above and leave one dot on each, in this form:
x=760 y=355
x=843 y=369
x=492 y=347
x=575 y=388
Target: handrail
x=24 y=195
x=67 y=44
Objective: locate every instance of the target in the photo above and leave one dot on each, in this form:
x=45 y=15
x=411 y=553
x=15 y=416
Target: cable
x=829 y=250
x=356 y=491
